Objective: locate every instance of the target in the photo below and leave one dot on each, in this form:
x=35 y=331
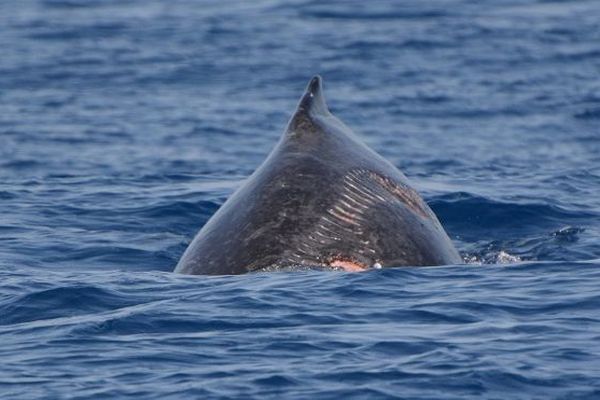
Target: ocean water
x=125 y=124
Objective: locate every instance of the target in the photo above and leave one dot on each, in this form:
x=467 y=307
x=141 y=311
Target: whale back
x=322 y=199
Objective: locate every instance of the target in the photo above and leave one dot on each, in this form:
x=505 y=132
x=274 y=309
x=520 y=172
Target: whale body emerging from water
x=321 y=199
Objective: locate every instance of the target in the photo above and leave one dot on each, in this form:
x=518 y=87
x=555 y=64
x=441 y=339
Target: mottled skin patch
x=348 y=266
x=321 y=199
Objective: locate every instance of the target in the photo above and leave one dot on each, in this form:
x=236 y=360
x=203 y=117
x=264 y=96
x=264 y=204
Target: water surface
x=124 y=125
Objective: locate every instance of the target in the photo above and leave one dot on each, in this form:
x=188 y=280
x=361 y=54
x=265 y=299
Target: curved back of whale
x=321 y=198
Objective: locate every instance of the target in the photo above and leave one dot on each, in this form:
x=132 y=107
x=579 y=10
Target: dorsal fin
x=313 y=100
x=312 y=104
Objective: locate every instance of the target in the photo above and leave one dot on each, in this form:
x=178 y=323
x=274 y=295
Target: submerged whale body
x=320 y=199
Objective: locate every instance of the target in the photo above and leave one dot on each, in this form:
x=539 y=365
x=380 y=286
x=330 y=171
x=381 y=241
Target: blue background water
x=125 y=124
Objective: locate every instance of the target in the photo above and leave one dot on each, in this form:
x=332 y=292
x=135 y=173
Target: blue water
x=124 y=125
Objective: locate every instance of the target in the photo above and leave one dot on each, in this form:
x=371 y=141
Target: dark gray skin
x=321 y=199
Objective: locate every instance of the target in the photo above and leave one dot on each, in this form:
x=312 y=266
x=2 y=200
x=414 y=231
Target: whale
x=322 y=199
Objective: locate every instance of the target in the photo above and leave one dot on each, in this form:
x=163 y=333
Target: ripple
x=58 y=302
